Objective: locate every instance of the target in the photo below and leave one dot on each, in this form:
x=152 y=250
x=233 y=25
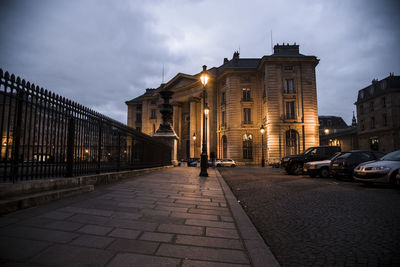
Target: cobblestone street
x=320 y=222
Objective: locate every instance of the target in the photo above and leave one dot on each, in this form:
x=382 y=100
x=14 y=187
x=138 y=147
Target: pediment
x=181 y=81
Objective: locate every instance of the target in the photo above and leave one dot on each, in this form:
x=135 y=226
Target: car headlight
x=312 y=166
x=285 y=159
x=381 y=168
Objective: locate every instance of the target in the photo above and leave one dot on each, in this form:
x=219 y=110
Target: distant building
x=335 y=132
x=378 y=115
x=277 y=91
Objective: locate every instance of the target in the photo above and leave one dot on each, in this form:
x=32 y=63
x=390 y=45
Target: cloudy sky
x=102 y=53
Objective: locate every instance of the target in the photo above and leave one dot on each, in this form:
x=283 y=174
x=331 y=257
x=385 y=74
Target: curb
x=260 y=254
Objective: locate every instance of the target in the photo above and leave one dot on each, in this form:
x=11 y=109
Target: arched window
x=292 y=142
x=247 y=146
x=224 y=147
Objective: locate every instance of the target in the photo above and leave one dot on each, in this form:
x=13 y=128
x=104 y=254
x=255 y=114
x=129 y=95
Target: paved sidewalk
x=167 y=218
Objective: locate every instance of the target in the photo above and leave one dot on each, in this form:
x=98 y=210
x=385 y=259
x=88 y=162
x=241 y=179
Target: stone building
x=333 y=131
x=378 y=115
x=277 y=91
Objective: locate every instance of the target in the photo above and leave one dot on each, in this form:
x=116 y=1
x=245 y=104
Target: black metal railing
x=45 y=135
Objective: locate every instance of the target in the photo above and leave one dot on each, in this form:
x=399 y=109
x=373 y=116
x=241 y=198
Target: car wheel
x=324 y=172
x=233 y=165
x=218 y=165
x=296 y=168
x=312 y=175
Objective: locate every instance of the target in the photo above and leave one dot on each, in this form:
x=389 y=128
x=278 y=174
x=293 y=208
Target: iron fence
x=45 y=135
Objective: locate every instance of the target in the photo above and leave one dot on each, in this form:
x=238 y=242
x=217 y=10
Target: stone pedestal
x=165 y=133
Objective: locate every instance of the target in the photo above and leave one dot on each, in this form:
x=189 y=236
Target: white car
x=321 y=168
x=383 y=170
x=225 y=163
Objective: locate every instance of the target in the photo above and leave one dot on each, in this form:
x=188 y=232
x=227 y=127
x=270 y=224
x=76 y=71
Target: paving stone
x=91 y=219
x=201 y=253
x=4 y=221
x=67 y=255
x=12 y=248
x=126 y=215
x=208 y=242
x=137 y=225
x=180 y=229
x=57 y=215
x=92 y=241
x=134 y=260
x=173 y=204
x=125 y=233
x=170 y=208
x=224 y=209
x=63 y=225
x=219 y=232
x=194 y=263
x=95 y=229
x=210 y=223
x=158 y=237
x=98 y=212
x=197 y=199
x=137 y=246
x=227 y=218
x=37 y=234
x=136 y=205
x=209 y=212
x=155 y=212
x=212 y=204
x=194 y=216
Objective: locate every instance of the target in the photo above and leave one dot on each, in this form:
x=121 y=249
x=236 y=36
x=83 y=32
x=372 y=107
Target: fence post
x=119 y=152
x=17 y=136
x=99 y=148
x=70 y=147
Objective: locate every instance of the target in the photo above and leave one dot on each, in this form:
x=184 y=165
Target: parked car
x=225 y=163
x=193 y=162
x=321 y=168
x=383 y=170
x=294 y=164
x=344 y=165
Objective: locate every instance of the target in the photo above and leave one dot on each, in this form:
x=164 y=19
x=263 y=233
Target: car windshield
x=344 y=155
x=310 y=151
x=337 y=154
x=393 y=156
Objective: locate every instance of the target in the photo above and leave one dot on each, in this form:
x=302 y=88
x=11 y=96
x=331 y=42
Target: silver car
x=321 y=168
x=225 y=163
x=380 y=171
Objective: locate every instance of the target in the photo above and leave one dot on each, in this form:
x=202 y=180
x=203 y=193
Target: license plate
x=335 y=164
x=304 y=170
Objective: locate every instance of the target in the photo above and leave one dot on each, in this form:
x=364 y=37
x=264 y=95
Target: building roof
x=333 y=122
x=149 y=92
x=390 y=83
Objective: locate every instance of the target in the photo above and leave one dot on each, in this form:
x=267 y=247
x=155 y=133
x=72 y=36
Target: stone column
x=165 y=133
x=194 y=127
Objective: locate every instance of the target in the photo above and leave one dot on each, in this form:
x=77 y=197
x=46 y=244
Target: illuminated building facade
x=277 y=91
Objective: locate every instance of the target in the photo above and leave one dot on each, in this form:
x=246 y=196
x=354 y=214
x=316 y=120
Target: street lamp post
x=262 y=130
x=204 y=157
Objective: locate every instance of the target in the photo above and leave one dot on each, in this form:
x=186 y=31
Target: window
x=290 y=114
x=138 y=129
x=139 y=108
x=292 y=137
x=384 y=101
x=246 y=94
x=384 y=120
x=138 y=117
x=247 y=146
x=223 y=118
x=247 y=116
x=373 y=123
x=374 y=143
x=289 y=86
x=288 y=68
x=154 y=128
x=223 y=98
x=362 y=125
x=371 y=106
x=153 y=102
x=361 y=109
x=153 y=114
x=265 y=92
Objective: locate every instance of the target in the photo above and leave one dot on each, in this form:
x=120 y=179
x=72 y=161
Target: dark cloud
x=102 y=53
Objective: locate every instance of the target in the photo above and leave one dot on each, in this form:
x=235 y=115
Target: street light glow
x=206 y=110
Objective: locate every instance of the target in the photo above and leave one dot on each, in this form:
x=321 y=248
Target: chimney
x=226 y=60
x=236 y=55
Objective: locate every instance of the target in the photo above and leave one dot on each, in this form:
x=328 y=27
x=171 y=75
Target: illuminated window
x=247 y=146
x=289 y=86
x=374 y=143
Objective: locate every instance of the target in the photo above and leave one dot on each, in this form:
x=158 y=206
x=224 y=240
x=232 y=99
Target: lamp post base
x=203 y=165
x=263 y=163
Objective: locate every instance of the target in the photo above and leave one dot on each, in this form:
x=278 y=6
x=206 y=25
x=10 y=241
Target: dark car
x=193 y=162
x=343 y=166
x=294 y=164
